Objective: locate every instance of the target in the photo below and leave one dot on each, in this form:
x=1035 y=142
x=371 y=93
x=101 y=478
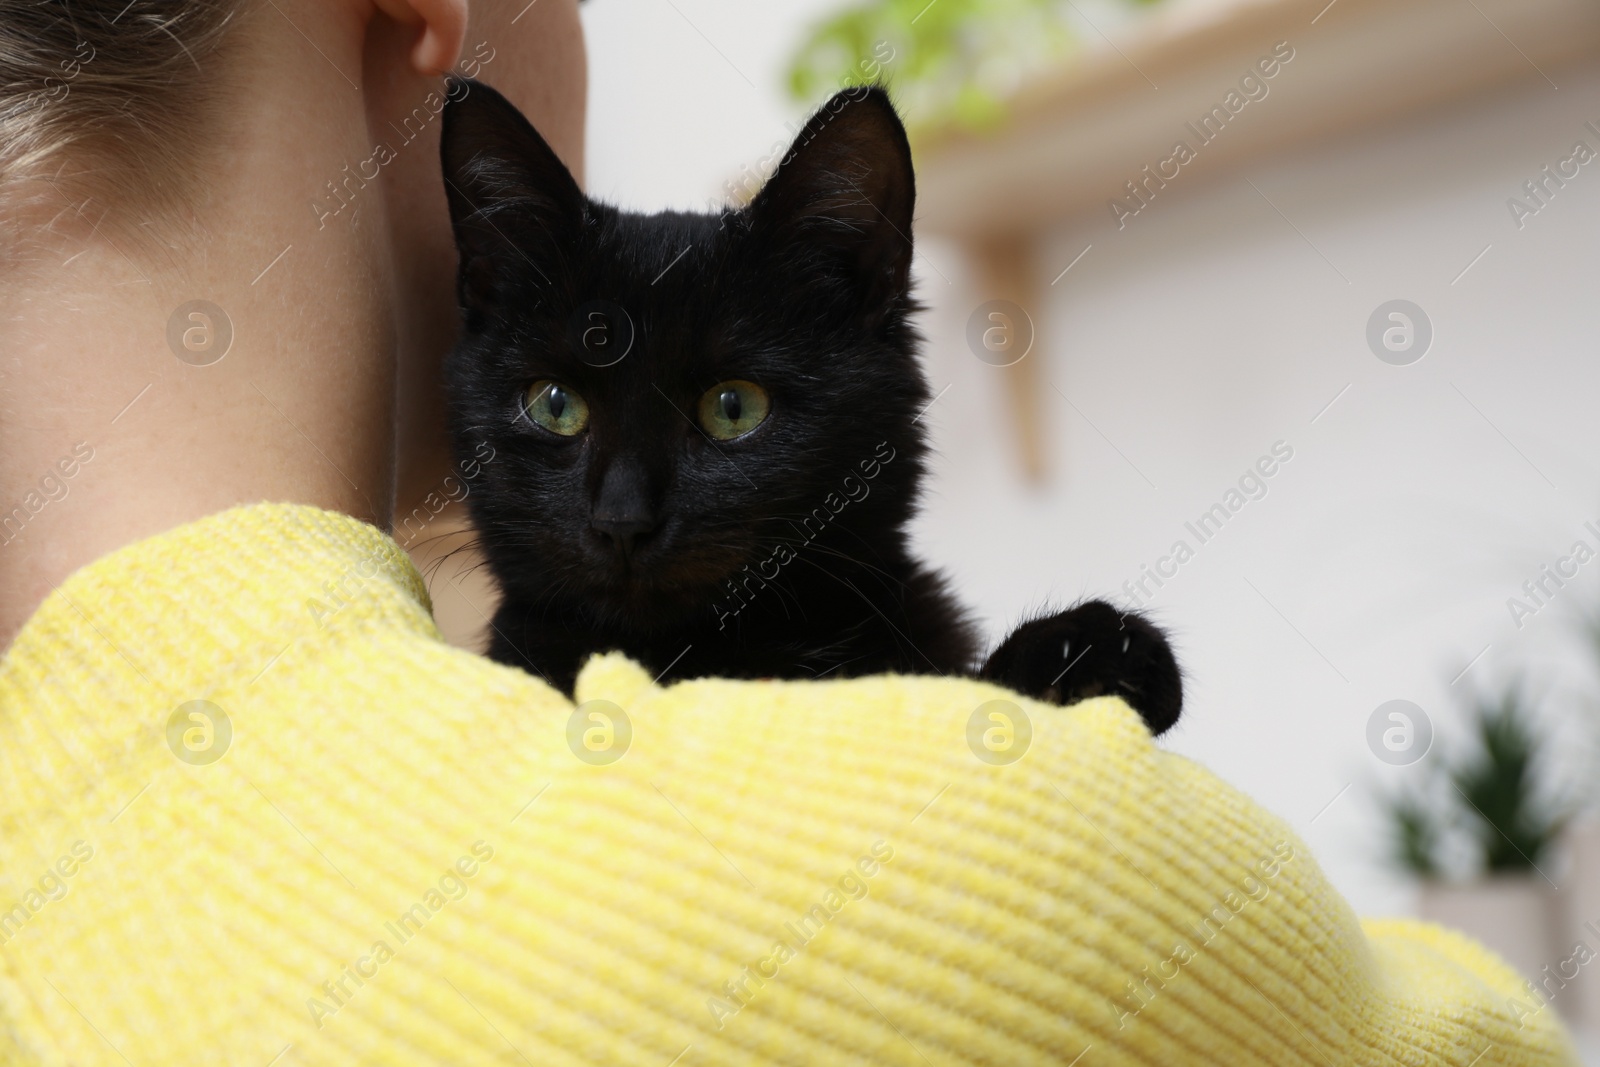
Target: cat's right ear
x=513 y=203
x=841 y=201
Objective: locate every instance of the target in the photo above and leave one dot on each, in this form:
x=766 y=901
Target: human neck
x=301 y=406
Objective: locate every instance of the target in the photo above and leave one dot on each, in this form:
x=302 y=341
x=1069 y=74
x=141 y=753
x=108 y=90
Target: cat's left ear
x=846 y=190
x=514 y=206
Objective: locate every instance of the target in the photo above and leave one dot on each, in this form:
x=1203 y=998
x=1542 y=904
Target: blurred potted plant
x=949 y=60
x=1479 y=832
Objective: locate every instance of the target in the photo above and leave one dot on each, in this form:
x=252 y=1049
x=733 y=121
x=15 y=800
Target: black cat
x=705 y=428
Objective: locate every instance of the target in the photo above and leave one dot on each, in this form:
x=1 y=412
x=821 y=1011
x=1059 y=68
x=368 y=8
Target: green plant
x=1499 y=781
x=1491 y=801
x=1415 y=833
x=952 y=60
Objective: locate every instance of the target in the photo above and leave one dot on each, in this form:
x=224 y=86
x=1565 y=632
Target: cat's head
x=667 y=397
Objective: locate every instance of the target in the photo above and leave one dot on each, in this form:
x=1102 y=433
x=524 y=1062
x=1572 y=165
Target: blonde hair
x=99 y=96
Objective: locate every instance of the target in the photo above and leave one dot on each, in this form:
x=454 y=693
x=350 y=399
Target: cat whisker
x=870 y=603
x=886 y=579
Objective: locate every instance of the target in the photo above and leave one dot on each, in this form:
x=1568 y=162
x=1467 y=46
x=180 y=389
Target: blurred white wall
x=1380 y=562
x=683 y=93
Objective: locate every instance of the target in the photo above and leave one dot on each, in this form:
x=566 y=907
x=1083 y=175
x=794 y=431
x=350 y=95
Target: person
x=142 y=171
x=254 y=810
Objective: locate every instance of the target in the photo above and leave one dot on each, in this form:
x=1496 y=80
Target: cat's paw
x=1092 y=650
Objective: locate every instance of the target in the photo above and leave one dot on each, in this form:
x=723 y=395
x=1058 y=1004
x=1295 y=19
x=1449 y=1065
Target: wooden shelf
x=1072 y=141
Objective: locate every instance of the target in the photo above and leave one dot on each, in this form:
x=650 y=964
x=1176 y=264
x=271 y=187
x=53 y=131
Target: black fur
x=781 y=553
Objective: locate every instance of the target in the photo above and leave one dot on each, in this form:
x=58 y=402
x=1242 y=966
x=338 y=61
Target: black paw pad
x=1092 y=650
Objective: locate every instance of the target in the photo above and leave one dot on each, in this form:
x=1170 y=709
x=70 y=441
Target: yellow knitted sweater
x=253 y=811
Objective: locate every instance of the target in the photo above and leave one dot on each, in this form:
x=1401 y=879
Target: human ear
x=444 y=30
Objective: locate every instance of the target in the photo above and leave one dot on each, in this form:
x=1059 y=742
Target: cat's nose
x=623 y=529
x=622 y=511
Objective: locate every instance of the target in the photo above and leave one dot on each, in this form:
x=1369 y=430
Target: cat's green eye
x=556 y=408
x=733 y=409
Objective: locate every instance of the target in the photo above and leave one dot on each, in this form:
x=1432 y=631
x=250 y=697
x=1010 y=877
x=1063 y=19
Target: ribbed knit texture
x=1098 y=894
